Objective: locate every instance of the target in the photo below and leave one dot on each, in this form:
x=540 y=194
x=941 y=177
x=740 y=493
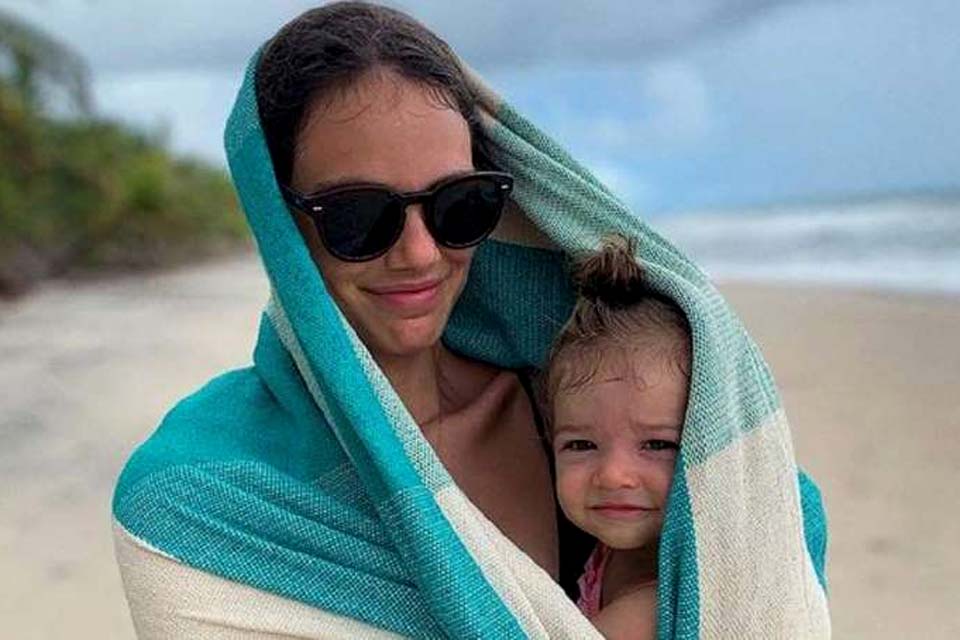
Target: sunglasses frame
x=312 y=205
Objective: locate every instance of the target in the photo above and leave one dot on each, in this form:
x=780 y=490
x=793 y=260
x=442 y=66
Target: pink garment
x=591 y=582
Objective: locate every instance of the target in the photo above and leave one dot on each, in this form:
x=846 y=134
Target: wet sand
x=88 y=368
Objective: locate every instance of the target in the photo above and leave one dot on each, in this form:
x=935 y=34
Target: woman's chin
x=410 y=336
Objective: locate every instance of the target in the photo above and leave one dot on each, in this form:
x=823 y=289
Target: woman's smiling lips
x=421 y=295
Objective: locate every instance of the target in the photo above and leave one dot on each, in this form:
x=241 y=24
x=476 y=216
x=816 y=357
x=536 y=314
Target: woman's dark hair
x=616 y=310
x=327 y=49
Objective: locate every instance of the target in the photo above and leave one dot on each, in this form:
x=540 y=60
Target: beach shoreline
x=89 y=368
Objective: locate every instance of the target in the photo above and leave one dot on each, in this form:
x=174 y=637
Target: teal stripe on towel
x=515 y=300
x=678 y=591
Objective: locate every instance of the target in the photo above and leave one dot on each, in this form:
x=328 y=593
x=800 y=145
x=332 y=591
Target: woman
x=397 y=115
x=378 y=470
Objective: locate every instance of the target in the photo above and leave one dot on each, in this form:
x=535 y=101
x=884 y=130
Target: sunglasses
x=362 y=222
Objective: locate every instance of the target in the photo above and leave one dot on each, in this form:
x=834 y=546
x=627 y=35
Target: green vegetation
x=78 y=192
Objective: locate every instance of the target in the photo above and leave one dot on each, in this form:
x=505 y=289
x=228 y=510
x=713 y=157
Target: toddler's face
x=615 y=441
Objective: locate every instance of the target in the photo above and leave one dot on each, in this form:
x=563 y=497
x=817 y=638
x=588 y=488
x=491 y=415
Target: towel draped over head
x=298 y=498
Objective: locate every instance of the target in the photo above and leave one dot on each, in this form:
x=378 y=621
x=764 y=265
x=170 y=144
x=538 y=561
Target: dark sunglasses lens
x=465 y=212
x=360 y=224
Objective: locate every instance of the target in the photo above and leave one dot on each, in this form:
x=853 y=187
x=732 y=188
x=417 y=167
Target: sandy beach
x=87 y=369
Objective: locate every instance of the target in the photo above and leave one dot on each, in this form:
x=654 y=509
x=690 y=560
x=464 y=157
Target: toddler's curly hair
x=616 y=314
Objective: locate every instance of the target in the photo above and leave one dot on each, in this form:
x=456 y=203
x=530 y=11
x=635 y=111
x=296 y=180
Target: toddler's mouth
x=621 y=510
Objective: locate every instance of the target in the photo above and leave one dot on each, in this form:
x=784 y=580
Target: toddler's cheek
x=662 y=484
x=570 y=494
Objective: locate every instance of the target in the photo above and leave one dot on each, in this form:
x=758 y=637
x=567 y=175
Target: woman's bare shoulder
x=632 y=616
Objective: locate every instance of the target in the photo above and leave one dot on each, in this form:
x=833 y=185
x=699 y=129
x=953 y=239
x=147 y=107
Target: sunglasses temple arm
x=294 y=198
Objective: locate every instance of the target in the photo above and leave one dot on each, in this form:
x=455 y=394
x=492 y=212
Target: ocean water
x=902 y=244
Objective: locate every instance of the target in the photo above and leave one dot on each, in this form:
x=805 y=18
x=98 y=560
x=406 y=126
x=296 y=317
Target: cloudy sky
x=681 y=105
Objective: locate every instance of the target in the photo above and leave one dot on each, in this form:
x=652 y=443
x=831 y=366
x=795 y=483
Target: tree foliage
x=34 y=60
x=84 y=192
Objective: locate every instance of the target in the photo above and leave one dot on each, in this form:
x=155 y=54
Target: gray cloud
x=534 y=31
x=122 y=36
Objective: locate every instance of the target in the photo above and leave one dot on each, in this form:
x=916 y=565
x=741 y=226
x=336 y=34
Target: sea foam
x=903 y=243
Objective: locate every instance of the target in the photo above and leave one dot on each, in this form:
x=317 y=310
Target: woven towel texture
x=303 y=477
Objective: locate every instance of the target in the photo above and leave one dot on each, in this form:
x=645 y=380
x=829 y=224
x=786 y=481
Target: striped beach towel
x=296 y=498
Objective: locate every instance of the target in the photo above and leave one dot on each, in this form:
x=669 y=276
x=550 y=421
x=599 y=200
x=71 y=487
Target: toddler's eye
x=578 y=445
x=660 y=445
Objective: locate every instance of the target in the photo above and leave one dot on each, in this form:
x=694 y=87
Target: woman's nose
x=416 y=248
x=617 y=470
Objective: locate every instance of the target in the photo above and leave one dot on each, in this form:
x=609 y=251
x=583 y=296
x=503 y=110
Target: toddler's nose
x=617 y=470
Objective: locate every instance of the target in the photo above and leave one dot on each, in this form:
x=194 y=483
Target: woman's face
x=389 y=130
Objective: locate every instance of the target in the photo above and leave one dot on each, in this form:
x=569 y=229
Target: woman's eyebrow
x=349 y=181
x=346 y=181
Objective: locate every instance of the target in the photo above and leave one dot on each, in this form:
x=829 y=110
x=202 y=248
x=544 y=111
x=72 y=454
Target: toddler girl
x=616 y=391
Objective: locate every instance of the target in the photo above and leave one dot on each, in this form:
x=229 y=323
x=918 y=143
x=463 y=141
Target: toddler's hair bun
x=611 y=277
